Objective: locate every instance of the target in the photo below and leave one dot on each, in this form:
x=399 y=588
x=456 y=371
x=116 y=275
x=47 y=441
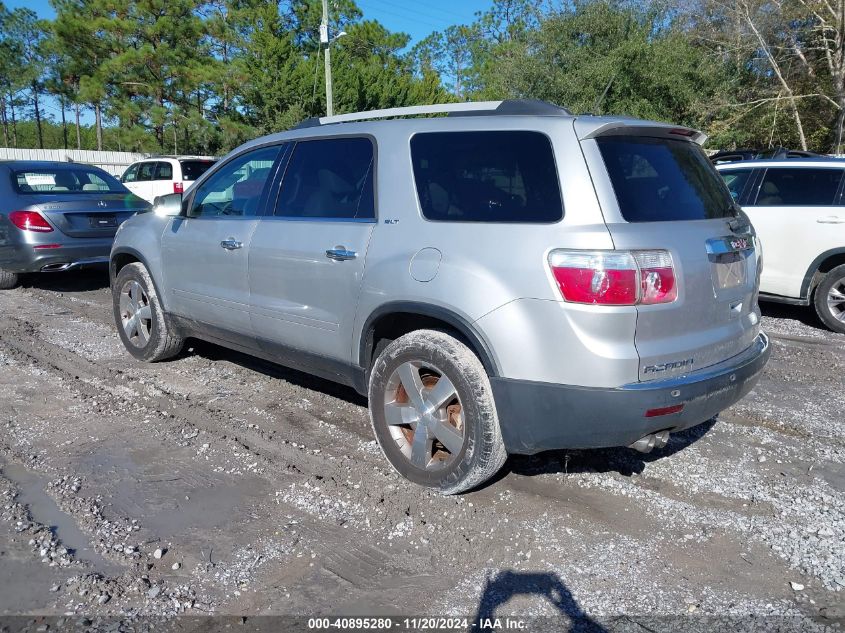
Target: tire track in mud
x=354 y=562
x=366 y=529
x=267 y=446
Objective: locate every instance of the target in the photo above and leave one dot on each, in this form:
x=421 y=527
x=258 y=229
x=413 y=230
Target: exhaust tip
x=651 y=441
x=55 y=268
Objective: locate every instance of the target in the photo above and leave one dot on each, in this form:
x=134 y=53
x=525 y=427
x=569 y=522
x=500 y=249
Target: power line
x=424 y=14
x=407 y=18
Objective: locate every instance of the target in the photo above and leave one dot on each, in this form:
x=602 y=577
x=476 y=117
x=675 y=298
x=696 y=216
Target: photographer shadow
x=505 y=585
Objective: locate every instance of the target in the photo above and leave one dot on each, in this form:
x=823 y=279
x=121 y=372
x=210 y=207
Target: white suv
x=798 y=210
x=159 y=176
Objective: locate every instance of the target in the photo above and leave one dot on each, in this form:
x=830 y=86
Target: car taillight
x=615 y=277
x=178 y=187
x=30 y=221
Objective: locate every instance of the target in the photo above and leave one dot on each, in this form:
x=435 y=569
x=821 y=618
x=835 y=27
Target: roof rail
x=472 y=108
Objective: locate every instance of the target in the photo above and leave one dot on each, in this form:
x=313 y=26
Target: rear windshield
x=505 y=176
x=64 y=180
x=659 y=180
x=193 y=169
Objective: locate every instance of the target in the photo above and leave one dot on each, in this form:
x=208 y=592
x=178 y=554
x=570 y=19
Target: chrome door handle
x=831 y=219
x=340 y=254
x=231 y=244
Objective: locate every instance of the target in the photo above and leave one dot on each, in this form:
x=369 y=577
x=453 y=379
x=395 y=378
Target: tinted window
x=131 y=174
x=799 y=186
x=164 y=171
x=736 y=179
x=658 y=180
x=65 y=180
x=193 y=169
x=145 y=171
x=328 y=178
x=486 y=177
x=235 y=189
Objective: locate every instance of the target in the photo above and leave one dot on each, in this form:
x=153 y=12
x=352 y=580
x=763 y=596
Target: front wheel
x=830 y=299
x=433 y=414
x=139 y=318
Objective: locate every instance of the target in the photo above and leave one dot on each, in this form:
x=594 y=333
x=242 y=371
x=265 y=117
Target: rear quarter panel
x=496 y=276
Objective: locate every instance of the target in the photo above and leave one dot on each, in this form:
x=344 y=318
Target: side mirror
x=169 y=205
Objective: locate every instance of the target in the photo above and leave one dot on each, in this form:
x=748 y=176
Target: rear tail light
x=178 y=187
x=30 y=221
x=615 y=277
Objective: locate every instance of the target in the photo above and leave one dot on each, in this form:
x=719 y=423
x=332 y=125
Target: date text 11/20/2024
x=416 y=624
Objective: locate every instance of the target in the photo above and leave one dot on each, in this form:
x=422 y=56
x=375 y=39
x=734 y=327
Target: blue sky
x=417 y=18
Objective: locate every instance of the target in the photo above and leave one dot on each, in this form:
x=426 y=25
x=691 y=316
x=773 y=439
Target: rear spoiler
x=587 y=129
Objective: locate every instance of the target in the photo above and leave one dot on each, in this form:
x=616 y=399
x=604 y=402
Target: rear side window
x=328 y=178
x=792 y=186
x=193 y=169
x=736 y=180
x=145 y=171
x=164 y=171
x=659 y=180
x=506 y=176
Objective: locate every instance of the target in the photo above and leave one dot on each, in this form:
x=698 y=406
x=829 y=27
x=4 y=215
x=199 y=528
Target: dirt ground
x=219 y=484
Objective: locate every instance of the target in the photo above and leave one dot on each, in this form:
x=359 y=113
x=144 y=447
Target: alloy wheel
x=836 y=300
x=136 y=315
x=424 y=415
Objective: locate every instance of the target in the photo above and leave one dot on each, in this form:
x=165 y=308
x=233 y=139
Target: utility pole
x=326 y=43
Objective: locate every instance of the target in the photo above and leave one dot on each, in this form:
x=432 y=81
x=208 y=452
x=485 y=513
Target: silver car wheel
x=136 y=315
x=836 y=300
x=423 y=413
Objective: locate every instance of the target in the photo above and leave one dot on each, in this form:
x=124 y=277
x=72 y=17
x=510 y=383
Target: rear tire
x=442 y=431
x=8 y=280
x=140 y=320
x=830 y=299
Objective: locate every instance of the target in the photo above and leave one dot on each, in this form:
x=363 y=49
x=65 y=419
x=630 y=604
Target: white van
x=159 y=176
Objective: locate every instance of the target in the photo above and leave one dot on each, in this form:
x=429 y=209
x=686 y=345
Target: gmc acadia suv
x=506 y=279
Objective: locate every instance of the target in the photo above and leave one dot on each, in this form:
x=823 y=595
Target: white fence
x=113 y=162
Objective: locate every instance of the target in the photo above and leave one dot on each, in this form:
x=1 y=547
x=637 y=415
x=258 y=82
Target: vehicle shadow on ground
x=214 y=352
x=622 y=460
x=74 y=281
x=803 y=314
x=508 y=584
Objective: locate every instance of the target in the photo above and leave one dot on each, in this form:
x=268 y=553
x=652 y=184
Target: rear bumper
x=24 y=258
x=537 y=416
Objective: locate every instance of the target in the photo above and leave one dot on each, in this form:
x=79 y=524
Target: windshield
x=193 y=169
x=659 y=180
x=65 y=180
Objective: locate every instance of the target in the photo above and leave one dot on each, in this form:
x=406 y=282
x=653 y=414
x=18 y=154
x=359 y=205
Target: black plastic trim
x=813 y=269
x=539 y=416
x=299 y=360
x=765 y=296
x=462 y=325
x=128 y=250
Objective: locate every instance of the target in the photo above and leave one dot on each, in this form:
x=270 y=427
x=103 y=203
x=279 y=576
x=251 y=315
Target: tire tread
x=489 y=454
x=8 y=280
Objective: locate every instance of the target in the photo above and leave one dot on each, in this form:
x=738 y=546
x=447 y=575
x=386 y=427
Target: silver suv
x=507 y=279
